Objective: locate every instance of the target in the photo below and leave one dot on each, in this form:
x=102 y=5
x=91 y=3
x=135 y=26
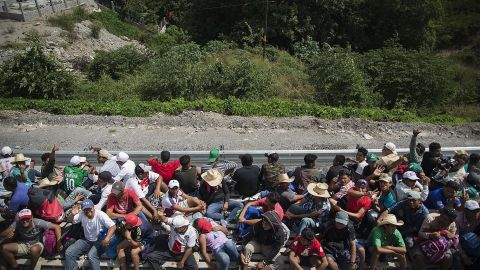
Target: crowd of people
x=420 y=207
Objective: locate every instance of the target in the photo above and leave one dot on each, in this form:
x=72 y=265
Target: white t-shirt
x=92 y=227
x=360 y=167
x=106 y=190
x=132 y=184
x=127 y=171
x=178 y=242
x=168 y=202
x=151 y=178
x=109 y=166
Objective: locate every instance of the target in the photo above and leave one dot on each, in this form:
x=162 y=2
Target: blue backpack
x=470 y=244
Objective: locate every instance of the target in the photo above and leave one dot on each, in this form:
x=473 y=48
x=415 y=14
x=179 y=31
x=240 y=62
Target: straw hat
x=47 y=183
x=318 y=190
x=390 y=219
x=213 y=177
x=283 y=178
x=19 y=158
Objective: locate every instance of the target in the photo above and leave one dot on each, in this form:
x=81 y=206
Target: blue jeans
x=306 y=223
x=214 y=210
x=226 y=252
x=79 y=248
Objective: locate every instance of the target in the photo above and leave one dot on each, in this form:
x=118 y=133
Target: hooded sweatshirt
x=275 y=237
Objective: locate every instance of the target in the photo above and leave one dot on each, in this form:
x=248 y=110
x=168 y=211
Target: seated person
x=267 y=237
x=163 y=167
x=306 y=250
x=74 y=174
x=176 y=202
x=78 y=194
x=214 y=237
x=27 y=231
x=306 y=174
x=246 y=178
x=386 y=239
x=150 y=183
x=357 y=207
x=137 y=238
x=188 y=176
x=434 y=227
x=340 y=244
x=21 y=169
x=372 y=171
x=411 y=182
x=270 y=171
x=132 y=183
x=444 y=197
x=412 y=211
x=467 y=224
x=18 y=199
x=92 y=222
x=385 y=197
x=122 y=201
x=337 y=166
x=104 y=188
x=313 y=209
x=288 y=196
x=343 y=184
x=178 y=245
x=251 y=215
x=214 y=192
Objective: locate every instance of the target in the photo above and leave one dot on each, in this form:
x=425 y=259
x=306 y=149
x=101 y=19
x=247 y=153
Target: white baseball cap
x=179 y=221
x=410 y=175
x=122 y=157
x=173 y=183
x=83 y=159
x=75 y=160
x=6 y=150
x=472 y=205
x=391 y=146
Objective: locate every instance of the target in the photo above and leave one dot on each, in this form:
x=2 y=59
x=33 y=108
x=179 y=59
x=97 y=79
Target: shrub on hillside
x=33 y=74
x=115 y=64
x=161 y=43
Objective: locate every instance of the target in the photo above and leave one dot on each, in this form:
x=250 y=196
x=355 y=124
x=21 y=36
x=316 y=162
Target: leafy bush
x=32 y=74
x=107 y=89
x=115 y=25
x=117 y=63
x=161 y=43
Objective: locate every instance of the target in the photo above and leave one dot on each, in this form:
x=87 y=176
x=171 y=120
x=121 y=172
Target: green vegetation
x=95 y=29
x=67 y=21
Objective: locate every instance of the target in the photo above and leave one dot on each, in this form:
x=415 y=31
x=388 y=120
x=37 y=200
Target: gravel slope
x=34 y=130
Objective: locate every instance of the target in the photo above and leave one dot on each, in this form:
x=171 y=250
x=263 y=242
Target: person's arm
x=138 y=207
x=48 y=169
x=109 y=235
x=275 y=249
x=149 y=206
x=160 y=186
x=291 y=257
x=358 y=215
x=128 y=237
x=226 y=191
x=220 y=228
x=203 y=249
x=244 y=210
x=8 y=233
x=58 y=235
x=353 y=251
x=186 y=254
x=425 y=225
x=413 y=145
x=101 y=203
x=397 y=250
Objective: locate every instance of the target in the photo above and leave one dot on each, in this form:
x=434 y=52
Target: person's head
x=20 y=161
x=202 y=225
x=141 y=170
x=165 y=156
x=306 y=237
x=420 y=149
x=185 y=161
x=361 y=185
x=410 y=178
x=389 y=148
x=385 y=182
x=7 y=152
x=447 y=216
x=435 y=149
x=45 y=157
x=362 y=153
x=309 y=160
x=344 y=176
x=272 y=157
x=371 y=159
x=25 y=217
x=180 y=224
x=339 y=160
x=10 y=183
x=213 y=177
x=414 y=199
x=214 y=154
x=390 y=223
x=474 y=160
x=461 y=159
x=246 y=159
x=450 y=188
x=121 y=158
x=472 y=210
x=173 y=187
x=83 y=162
x=103 y=155
x=132 y=221
x=284 y=181
x=272 y=199
x=473 y=179
x=88 y=208
x=117 y=189
x=341 y=220
x=266 y=224
x=105 y=178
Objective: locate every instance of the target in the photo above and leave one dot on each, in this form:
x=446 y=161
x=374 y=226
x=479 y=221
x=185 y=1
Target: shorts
x=305 y=261
x=24 y=247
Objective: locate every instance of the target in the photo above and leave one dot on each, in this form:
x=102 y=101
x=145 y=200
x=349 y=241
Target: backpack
x=435 y=250
x=49 y=243
x=470 y=244
x=37 y=196
x=51 y=209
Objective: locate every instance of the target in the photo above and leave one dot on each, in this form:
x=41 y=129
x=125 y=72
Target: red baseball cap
x=133 y=220
x=25 y=213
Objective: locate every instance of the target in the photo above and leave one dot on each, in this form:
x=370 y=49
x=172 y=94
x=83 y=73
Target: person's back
x=270 y=171
x=246 y=178
x=73 y=177
x=165 y=168
x=187 y=175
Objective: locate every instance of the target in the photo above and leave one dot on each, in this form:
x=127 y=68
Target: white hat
x=6 y=150
x=283 y=178
x=83 y=159
x=75 y=160
x=20 y=158
x=173 y=183
x=144 y=167
x=122 y=157
x=410 y=175
x=179 y=221
x=213 y=177
x=390 y=219
x=318 y=190
x=472 y=205
x=390 y=146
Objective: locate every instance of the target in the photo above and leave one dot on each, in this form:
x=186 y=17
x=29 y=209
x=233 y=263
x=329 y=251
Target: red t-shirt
x=123 y=205
x=166 y=170
x=354 y=204
x=314 y=249
x=278 y=208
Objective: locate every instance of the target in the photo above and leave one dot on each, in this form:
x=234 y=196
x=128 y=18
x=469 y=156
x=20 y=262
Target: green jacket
x=73 y=177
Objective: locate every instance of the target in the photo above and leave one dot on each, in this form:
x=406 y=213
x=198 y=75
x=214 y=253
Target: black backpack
x=37 y=196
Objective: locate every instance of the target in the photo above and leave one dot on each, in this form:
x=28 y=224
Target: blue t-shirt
x=436 y=200
x=412 y=217
x=20 y=198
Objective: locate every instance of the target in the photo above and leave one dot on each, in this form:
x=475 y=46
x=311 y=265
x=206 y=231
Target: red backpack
x=51 y=209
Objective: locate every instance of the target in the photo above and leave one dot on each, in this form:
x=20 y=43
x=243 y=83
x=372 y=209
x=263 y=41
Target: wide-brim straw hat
x=45 y=182
x=390 y=219
x=283 y=178
x=19 y=158
x=213 y=177
x=318 y=190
